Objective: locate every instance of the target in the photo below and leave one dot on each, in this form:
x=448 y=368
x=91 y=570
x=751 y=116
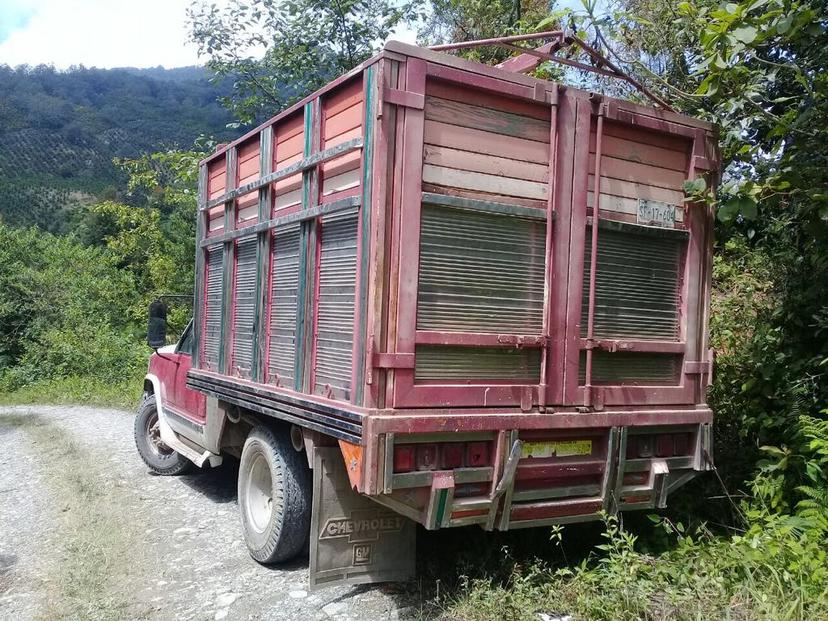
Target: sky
x=99 y=33
x=105 y=33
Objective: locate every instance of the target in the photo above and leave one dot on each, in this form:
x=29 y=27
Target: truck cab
x=170 y=410
x=170 y=365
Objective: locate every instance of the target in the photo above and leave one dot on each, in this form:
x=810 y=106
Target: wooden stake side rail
x=450 y=253
x=344 y=204
x=301 y=166
x=484 y=206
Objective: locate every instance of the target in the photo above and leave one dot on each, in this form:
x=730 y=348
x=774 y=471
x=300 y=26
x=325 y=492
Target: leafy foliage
x=73 y=308
x=278 y=52
x=61 y=311
x=775 y=569
x=468 y=20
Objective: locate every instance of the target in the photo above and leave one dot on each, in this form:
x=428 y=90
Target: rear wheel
x=160 y=458
x=274 y=496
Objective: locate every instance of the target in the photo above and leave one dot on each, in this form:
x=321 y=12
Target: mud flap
x=353 y=539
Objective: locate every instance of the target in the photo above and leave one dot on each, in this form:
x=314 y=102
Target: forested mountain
x=60 y=130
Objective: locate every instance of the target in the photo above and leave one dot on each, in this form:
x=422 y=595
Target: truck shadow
x=219 y=484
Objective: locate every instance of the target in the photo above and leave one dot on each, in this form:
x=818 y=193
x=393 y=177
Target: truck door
x=471 y=318
x=639 y=273
x=185 y=400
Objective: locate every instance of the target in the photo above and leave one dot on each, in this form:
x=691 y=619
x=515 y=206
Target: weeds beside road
x=77 y=391
x=97 y=553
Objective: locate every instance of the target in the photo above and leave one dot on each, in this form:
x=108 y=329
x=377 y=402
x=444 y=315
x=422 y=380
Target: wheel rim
x=156 y=444
x=259 y=494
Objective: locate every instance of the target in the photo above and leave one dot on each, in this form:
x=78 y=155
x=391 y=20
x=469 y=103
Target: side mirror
x=157 y=325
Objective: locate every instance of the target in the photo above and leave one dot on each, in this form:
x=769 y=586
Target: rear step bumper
x=627 y=469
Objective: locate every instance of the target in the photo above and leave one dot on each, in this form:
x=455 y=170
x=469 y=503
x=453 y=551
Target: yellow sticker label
x=566 y=448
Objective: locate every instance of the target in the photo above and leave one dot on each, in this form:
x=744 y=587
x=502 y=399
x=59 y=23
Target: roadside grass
x=96 y=553
x=77 y=390
x=775 y=568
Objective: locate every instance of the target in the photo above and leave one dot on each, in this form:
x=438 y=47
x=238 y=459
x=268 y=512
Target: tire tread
x=291 y=478
x=177 y=463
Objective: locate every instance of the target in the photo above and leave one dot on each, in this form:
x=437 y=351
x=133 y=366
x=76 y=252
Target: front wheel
x=160 y=458
x=274 y=496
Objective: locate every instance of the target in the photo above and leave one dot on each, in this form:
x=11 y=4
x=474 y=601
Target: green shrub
x=775 y=569
x=63 y=311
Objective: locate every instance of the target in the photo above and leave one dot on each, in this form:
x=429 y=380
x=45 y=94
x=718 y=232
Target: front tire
x=274 y=496
x=159 y=457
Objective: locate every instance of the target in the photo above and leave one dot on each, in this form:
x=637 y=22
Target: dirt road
x=87 y=533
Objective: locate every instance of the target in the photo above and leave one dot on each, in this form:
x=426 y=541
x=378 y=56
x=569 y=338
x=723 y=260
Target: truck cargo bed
x=403 y=262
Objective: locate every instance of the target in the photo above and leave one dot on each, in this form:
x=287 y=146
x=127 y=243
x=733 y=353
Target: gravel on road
x=87 y=532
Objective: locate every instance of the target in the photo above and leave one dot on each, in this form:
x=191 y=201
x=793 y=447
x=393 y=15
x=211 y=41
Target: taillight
x=452 y=455
x=661 y=445
x=426 y=457
x=645 y=446
x=440 y=456
x=681 y=444
x=664 y=445
x=403 y=458
x=477 y=454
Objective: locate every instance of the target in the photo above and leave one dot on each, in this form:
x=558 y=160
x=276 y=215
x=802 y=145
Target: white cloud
x=101 y=33
x=105 y=33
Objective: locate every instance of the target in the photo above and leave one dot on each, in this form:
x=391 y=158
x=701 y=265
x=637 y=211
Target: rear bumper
x=635 y=460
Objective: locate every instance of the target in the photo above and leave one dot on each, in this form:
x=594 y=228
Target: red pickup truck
x=440 y=293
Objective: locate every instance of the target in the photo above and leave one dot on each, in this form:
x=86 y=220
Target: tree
x=278 y=52
x=468 y=20
x=757 y=69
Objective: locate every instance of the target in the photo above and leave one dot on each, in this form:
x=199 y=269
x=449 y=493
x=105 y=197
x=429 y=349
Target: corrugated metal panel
x=636 y=286
x=480 y=272
x=284 y=286
x=212 y=314
x=245 y=306
x=627 y=367
x=449 y=362
x=335 y=320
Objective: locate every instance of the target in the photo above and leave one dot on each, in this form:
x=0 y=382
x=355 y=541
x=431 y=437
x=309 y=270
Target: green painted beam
x=198 y=289
x=307 y=256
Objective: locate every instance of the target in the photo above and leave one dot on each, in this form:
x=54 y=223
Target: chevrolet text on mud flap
x=440 y=293
x=358 y=529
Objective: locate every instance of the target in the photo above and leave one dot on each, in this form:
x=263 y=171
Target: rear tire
x=160 y=458
x=274 y=496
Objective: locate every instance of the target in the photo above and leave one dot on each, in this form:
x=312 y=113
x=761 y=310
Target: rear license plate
x=560 y=448
x=656 y=213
